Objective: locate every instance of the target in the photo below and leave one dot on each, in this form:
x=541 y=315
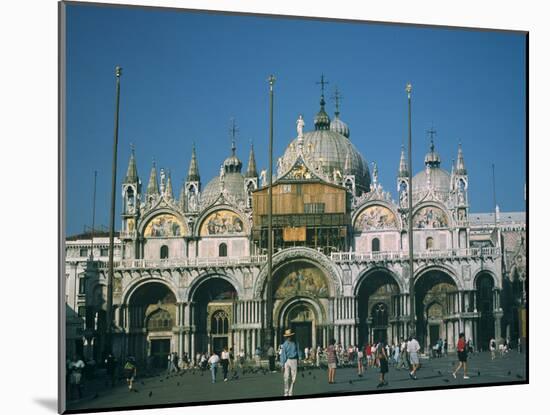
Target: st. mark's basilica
x=190 y=272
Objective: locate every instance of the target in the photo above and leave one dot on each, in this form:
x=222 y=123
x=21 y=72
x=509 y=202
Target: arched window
x=160 y=320
x=222 y=250
x=375 y=245
x=429 y=243
x=219 y=323
x=164 y=252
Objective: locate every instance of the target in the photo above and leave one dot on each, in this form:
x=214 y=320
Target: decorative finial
x=233 y=131
x=336 y=97
x=118 y=71
x=431 y=132
x=408 y=89
x=322 y=83
x=271 y=81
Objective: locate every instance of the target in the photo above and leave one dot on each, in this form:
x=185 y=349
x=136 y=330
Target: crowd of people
x=375 y=356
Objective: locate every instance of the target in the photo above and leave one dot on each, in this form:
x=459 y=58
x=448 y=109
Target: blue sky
x=186 y=74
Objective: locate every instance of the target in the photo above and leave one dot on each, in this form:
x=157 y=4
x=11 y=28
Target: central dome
x=325 y=151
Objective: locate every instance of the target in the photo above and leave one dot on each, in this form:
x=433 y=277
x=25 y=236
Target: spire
x=193 y=173
x=460 y=166
x=168 y=193
x=131 y=173
x=233 y=131
x=322 y=120
x=153 y=186
x=251 y=171
x=403 y=169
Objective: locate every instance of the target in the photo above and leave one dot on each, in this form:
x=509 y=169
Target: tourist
x=225 y=363
x=359 y=362
x=445 y=347
x=231 y=359
x=271 y=358
x=368 y=352
x=462 y=352
x=382 y=359
x=76 y=368
x=373 y=353
x=289 y=361
x=493 y=348
x=257 y=356
x=203 y=362
x=318 y=357
x=130 y=372
x=396 y=354
x=176 y=362
x=110 y=366
x=213 y=361
x=306 y=353
x=413 y=347
x=332 y=361
x=241 y=358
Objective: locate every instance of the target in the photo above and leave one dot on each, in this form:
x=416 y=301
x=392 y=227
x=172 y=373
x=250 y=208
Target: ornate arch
x=212 y=209
x=420 y=272
x=131 y=289
x=306 y=255
x=372 y=203
x=488 y=272
x=206 y=276
x=364 y=275
x=284 y=307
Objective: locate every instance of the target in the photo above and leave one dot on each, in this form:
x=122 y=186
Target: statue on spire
x=300 y=123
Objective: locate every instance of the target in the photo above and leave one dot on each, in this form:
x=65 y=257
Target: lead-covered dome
x=339 y=126
x=230 y=180
x=325 y=151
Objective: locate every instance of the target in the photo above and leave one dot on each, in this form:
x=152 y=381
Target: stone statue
x=222 y=173
x=263 y=177
x=374 y=173
x=162 y=181
x=300 y=126
x=279 y=166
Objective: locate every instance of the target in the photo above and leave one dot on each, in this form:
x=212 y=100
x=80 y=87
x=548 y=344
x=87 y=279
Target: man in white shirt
x=413 y=347
x=214 y=360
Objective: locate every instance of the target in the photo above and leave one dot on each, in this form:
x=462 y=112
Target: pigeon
x=439 y=371
x=303 y=375
x=478 y=373
x=143 y=383
x=178 y=383
x=351 y=382
x=309 y=373
x=150 y=394
x=161 y=380
x=519 y=376
x=509 y=372
x=446 y=380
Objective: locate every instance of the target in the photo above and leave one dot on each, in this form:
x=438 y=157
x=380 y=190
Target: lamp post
x=110 y=276
x=408 y=89
x=269 y=301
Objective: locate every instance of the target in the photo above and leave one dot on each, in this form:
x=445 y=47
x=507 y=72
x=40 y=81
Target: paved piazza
x=195 y=386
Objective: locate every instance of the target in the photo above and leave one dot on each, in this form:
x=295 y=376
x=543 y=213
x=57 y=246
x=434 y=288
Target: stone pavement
x=195 y=386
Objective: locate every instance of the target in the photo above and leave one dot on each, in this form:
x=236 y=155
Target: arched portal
x=486 y=323
x=300 y=300
x=213 y=314
x=151 y=322
x=377 y=306
x=436 y=301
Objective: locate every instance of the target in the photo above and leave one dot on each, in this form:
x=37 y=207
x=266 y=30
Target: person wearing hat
x=289 y=361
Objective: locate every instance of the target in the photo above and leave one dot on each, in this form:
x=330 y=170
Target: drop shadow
x=48 y=403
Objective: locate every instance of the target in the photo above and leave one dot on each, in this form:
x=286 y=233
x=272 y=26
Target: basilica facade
x=191 y=271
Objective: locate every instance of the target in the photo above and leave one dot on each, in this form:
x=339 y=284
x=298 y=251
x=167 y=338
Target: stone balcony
x=187 y=262
x=466 y=253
